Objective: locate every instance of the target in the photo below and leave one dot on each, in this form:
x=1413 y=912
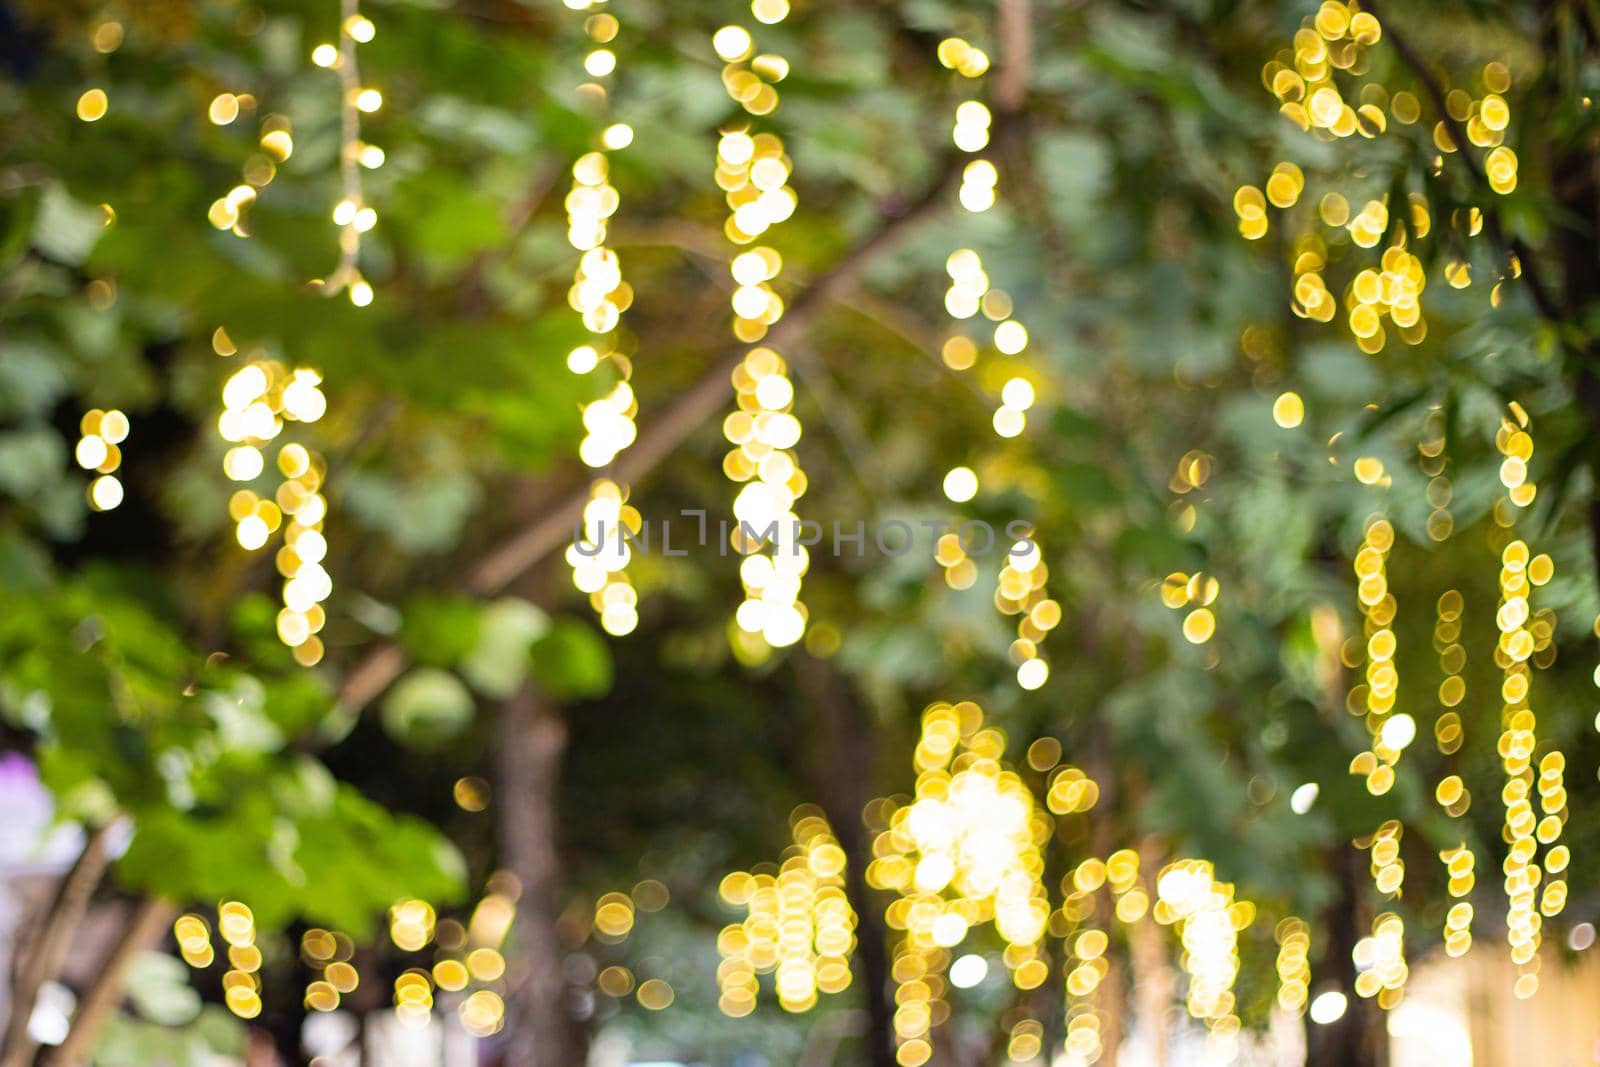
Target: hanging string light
x=1208 y=919
x=1085 y=965
x=965 y=850
x=1332 y=47
x=328 y=956
x=600 y=296
x=99 y=450
x=1526 y=640
x=258 y=401
x=1020 y=590
x=1293 y=964
x=798 y=927
x=753 y=171
x=275 y=144
x=352 y=214
x=241 y=983
x=1451 y=793
x=1196 y=592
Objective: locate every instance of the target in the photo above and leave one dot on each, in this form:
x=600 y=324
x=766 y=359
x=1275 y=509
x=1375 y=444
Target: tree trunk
x=1360 y=1037
x=99 y=1002
x=41 y=959
x=841 y=778
x=527 y=768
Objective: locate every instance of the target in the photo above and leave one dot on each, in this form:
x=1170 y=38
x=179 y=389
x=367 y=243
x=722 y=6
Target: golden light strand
x=1335 y=44
x=229 y=212
x=241 y=984
x=1526 y=640
x=753 y=171
x=99 y=449
x=328 y=955
x=799 y=926
x=1085 y=965
x=258 y=401
x=1209 y=920
x=600 y=296
x=1451 y=793
x=1020 y=590
x=966 y=850
x=1293 y=964
x=1196 y=592
x=352 y=214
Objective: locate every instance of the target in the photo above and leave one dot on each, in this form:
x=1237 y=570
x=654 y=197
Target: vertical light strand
x=1209 y=920
x=753 y=171
x=1526 y=640
x=258 y=401
x=1380 y=958
x=1020 y=590
x=99 y=450
x=241 y=983
x=600 y=296
x=351 y=214
x=1085 y=965
x=1451 y=793
x=1293 y=964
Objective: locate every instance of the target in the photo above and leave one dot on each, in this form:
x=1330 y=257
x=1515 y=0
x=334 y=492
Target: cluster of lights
x=753 y=171
x=1380 y=960
x=1303 y=79
x=959 y=570
x=972 y=122
x=964 y=851
x=1374 y=699
x=1086 y=965
x=970 y=295
x=1195 y=592
x=352 y=214
x=194 y=941
x=99 y=449
x=276 y=142
x=328 y=955
x=472 y=954
x=1020 y=591
x=241 y=983
x=1526 y=640
x=1388 y=870
x=1209 y=920
x=599 y=566
x=798 y=926
x=1293 y=964
x=257 y=400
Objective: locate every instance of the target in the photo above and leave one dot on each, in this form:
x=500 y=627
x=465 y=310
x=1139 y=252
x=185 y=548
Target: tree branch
x=150 y=918
x=44 y=958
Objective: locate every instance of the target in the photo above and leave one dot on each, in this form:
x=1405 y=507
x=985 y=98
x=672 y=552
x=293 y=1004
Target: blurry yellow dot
x=450 y=975
x=224 y=109
x=486 y=964
x=105 y=493
x=92 y=105
x=1033 y=674
x=731 y=43
x=619 y=135
x=471 y=794
x=369 y=100
x=1288 y=411
x=325 y=55
x=1199 y=625
x=655 y=994
x=615 y=981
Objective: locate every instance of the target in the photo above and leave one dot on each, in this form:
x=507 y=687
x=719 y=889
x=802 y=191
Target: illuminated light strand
x=258 y=400
x=411 y=927
x=241 y=983
x=1209 y=920
x=1526 y=641
x=798 y=926
x=474 y=956
x=600 y=296
x=1380 y=961
x=1451 y=793
x=275 y=142
x=1197 y=592
x=966 y=850
x=352 y=214
x=99 y=450
x=753 y=171
x=1304 y=80
x=1020 y=590
x=1293 y=964
x=328 y=956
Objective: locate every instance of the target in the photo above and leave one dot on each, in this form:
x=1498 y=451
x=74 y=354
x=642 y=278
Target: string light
x=1332 y=45
x=753 y=171
x=99 y=449
x=352 y=214
x=1293 y=964
x=965 y=850
x=1020 y=590
x=328 y=956
x=798 y=927
x=1196 y=592
x=1208 y=919
x=241 y=983
x=1526 y=640
x=258 y=401
x=1451 y=793
x=600 y=296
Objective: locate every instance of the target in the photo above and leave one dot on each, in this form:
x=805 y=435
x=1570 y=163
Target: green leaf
x=427 y=707
x=572 y=662
x=498 y=663
x=441 y=630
